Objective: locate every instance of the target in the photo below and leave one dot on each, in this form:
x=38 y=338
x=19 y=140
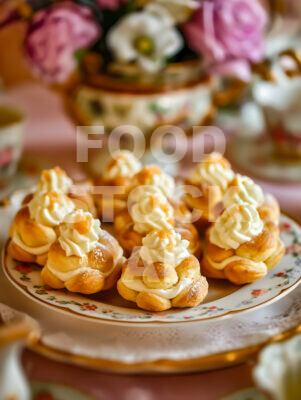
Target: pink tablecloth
x=50 y=135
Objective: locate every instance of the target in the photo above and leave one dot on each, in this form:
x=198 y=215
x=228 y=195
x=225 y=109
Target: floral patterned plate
x=224 y=299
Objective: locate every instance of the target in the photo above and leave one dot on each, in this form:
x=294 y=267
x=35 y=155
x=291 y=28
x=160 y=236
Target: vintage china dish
x=137 y=347
x=224 y=299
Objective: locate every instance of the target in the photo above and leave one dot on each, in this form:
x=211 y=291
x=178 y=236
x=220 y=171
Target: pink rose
x=112 y=4
x=259 y=292
x=54 y=35
x=228 y=34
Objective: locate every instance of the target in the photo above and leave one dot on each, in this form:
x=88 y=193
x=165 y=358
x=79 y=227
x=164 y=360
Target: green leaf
x=79 y=55
x=131 y=6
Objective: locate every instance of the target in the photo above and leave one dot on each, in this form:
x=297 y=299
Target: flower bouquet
x=141 y=62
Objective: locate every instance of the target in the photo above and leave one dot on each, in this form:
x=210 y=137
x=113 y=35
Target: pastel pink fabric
x=228 y=34
x=53 y=37
x=105 y=386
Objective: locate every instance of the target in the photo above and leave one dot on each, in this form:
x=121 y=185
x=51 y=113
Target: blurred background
x=233 y=64
x=247 y=85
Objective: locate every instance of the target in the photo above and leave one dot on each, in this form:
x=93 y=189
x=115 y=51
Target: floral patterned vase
x=179 y=95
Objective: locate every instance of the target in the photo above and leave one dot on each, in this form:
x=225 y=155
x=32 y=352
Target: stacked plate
x=104 y=331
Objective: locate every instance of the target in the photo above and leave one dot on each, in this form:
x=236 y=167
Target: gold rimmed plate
x=74 y=332
x=224 y=299
x=166 y=366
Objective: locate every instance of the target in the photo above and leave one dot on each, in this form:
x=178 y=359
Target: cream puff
x=153 y=175
x=240 y=246
x=84 y=258
x=115 y=184
x=152 y=211
x=162 y=274
x=206 y=185
x=56 y=180
x=152 y=178
x=35 y=225
x=243 y=189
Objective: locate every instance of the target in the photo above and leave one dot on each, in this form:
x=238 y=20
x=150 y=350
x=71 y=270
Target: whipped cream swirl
x=235 y=226
x=142 y=191
x=152 y=212
x=54 y=180
x=164 y=246
x=122 y=164
x=213 y=172
x=153 y=175
x=50 y=208
x=80 y=233
x=243 y=190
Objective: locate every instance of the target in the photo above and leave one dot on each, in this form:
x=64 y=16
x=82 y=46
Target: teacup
x=280 y=102
x=278 y=371
x=11 y=135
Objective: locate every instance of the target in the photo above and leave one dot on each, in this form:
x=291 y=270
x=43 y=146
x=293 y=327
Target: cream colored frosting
x=152 y=212
x=164 y=182
x=164 y=246
x=65 y=276
x=123 y=164
x=144 y=190
x=245 y=190
x=54 y=180
x=139 y=286
x=36 y=251
x=50 y=209
x=75 y=242
x=235 y=226
x=213 y=173
x=253 y=265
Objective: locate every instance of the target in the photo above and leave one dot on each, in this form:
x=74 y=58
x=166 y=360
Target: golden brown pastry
x=240 y=246
x=84 y=258
x=115 y=184
x=162 y=274
x=152 y=211
x=34 y=228
x=206 y=185
x=56 y=180
x=243 y=189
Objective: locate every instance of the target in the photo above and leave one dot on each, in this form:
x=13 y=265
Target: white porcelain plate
x=224 y=299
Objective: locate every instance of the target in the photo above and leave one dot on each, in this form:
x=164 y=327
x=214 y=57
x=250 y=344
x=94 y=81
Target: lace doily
x=184 y=342
x=132 y=344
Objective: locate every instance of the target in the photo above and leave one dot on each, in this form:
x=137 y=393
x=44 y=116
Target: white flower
x=145 y=38
x=179 y=10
